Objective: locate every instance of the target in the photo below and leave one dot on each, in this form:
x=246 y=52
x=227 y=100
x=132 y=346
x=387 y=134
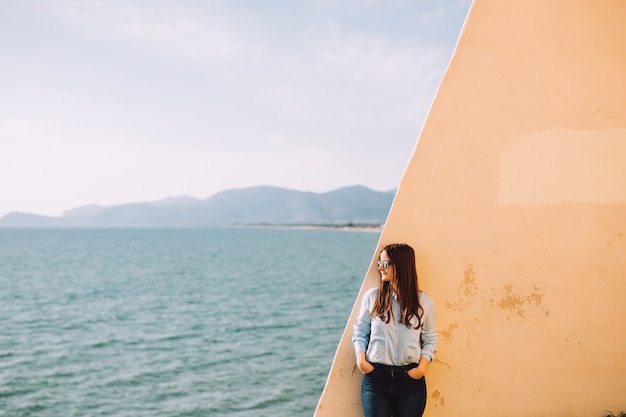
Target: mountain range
x=260 y=205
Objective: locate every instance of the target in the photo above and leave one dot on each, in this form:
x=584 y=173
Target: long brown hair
x=402 y=257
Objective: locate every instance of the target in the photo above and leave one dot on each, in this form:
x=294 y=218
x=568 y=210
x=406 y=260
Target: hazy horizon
x=168 y=197
x=127 y=101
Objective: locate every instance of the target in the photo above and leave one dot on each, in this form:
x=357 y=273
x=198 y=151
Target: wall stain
x=469 y=282
x=516 y=302
x=438 y=398
x=457 y=305
x=467 y=288
x=447 y=334
x=493 y=301
x=575 y=338
x=442 y=362
x=348 y=372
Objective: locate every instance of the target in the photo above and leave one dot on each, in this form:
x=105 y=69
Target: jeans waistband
x=402 y=368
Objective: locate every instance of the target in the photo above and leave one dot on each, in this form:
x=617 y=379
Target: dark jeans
x=389 y=391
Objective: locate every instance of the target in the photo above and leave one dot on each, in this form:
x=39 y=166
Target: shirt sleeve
x=429 y=336
x=362 y=328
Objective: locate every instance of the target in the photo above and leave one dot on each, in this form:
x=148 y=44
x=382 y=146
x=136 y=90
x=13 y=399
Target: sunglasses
x=384 y=264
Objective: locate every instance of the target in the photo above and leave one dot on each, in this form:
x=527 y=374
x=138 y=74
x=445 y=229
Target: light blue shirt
x=395 y=343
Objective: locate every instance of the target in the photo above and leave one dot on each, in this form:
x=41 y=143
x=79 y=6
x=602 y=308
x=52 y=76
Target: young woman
x=395 y=338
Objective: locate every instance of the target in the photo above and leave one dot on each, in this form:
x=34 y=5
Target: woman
x=395 y=338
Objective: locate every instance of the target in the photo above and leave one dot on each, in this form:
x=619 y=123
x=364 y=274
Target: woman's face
x=386 y=274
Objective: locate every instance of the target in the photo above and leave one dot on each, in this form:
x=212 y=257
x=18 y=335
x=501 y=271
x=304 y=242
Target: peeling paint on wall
x=446 y=334
x=438 y=399
x=519 y=303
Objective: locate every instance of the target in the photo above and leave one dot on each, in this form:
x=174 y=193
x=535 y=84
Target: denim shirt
x=394 y=343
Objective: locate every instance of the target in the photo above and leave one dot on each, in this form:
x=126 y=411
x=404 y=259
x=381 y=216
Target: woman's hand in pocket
x=419 y=371
x=361 y=362
x=415 y=373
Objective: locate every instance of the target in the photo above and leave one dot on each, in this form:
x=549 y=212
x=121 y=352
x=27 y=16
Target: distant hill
x=261 y=205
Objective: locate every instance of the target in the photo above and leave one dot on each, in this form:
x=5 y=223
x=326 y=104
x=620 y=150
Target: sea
x=160 y=322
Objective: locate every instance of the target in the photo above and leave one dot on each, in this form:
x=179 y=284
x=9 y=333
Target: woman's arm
x=361 y=335
x=362 y=363
x=428 y=336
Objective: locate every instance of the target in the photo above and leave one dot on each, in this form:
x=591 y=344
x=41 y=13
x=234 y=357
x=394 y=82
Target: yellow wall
x=515 y=202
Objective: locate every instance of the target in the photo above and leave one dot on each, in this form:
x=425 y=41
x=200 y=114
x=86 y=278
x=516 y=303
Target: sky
x=118 y=101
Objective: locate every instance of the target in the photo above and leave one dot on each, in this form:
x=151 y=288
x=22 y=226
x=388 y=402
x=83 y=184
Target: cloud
x=164 y=29
x=322 y=70
x=378 y=60
x=341 y=87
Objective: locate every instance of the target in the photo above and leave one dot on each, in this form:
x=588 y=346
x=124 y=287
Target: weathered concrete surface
x=515 y=201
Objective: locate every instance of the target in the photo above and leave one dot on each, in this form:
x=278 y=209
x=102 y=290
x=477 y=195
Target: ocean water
x=214 y=322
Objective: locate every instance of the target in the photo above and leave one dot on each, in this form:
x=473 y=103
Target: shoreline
x=348 y=227
x=343 y=227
